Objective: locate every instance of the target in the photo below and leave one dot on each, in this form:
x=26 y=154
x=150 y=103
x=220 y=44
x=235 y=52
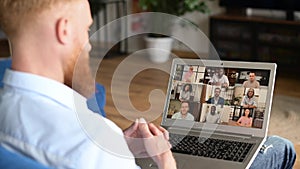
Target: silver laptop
x=216 y=116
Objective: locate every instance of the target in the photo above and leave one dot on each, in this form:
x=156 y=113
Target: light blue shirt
x=49 y=122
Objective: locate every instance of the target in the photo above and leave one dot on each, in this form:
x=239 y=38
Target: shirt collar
x=42 y=86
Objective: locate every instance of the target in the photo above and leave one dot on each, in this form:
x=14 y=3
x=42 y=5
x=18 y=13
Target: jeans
x=276 y=153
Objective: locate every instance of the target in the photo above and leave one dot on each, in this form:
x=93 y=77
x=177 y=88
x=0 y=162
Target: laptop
x=211 y=124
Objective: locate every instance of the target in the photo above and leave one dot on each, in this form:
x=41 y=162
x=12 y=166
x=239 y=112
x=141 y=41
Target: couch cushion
x=10 y=160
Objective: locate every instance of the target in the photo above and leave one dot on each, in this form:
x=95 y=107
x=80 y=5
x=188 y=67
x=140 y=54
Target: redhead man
x=42 y=117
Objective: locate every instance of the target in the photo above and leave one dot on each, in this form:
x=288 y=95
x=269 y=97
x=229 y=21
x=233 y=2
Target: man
x=219 y=79
x=38 y=114
x=41 y=116
x=212 y=116
x=184 y=112
x=217 y=100
x=251 y=82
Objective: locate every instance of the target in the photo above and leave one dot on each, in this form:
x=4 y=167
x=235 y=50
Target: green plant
x=174 y=7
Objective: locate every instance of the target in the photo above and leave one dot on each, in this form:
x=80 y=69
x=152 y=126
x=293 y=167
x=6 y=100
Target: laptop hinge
x=208 y=133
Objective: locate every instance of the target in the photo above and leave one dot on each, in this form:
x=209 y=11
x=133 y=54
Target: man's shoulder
x=176 y=114
x=190 y=116
x=257 y=83
x=221 y=100
x=210 y=99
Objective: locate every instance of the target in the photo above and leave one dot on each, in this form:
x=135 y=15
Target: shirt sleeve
x=175 y=116
x=226 y=79
x=100 y=154
x=213 y=79
x=243 y=102
x=96 y=157
x=254 y=103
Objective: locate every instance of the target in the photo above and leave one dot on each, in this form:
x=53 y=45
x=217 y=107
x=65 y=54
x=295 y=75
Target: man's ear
x=63 y=31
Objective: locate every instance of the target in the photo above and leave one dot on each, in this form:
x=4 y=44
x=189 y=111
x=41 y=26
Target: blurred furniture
x=110 y=10
x=253 y=38
x=4 y=48
x=4 y=64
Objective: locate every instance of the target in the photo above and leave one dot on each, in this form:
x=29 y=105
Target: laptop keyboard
x=209 y=147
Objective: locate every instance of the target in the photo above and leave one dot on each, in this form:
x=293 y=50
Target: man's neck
x=35 y=60
x=183 y=115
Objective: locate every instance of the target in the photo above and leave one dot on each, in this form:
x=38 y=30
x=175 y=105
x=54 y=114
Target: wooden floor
x=286 y=84
x=145 y=81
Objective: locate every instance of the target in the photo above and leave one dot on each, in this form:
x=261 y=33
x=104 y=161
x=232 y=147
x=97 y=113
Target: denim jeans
x=276 y=153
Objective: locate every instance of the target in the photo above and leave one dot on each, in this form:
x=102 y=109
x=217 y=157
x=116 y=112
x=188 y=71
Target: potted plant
x=160 y=45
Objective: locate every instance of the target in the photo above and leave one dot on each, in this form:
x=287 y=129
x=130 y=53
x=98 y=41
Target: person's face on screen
x=217 y=92
x=187 y=88
x=213 y=110
x=250 y=92
x=184 y=108
x=221 y=72
x=252 y=77
x=247 y=112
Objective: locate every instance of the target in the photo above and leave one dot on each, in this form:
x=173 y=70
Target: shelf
x=256 y=39
x=256 y=19
x=279 y=45
x=236 y=39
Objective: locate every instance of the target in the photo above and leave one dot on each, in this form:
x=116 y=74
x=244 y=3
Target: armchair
x=10 y=160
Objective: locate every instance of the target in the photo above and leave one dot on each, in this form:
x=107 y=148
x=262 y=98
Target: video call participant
x=38 y=116
x=188 y=75
x=249 y=99
x=46 y=37
x=251 y=82
x=184 y=112
x=245 y=120
x=219 y=79
x=212 y=117
x=186 y=92
x=217 y=100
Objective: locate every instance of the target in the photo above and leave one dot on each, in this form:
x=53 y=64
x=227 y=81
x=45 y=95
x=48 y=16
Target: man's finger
x=156 y=145
x=166 y=132
x=154 y=129
x=143 y=128
x=131 y=129
x=158 y=131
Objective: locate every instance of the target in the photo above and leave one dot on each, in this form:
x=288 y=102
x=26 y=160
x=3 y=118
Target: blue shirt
x=49 y=122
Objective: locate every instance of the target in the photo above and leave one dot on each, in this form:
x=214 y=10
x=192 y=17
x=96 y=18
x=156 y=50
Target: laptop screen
x=235 y=94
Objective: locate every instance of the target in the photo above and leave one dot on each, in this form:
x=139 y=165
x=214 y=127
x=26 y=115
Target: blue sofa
x=4 y=64
x=10 y=160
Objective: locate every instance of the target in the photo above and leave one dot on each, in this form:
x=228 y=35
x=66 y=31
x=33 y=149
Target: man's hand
x=147 y=140
x=135 y=141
